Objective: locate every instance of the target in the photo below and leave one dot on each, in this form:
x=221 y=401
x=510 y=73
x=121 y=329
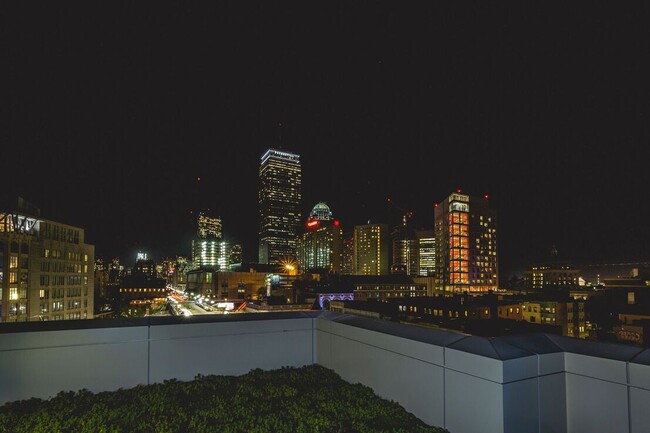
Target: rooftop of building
x=321 y=212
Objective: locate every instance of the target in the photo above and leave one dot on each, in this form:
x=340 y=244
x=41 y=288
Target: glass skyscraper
x=279 y=200
x=208 y=249
x=426 y=253
x=405 y=250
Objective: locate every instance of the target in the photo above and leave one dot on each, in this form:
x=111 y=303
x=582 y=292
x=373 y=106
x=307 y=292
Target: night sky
x=110 y=113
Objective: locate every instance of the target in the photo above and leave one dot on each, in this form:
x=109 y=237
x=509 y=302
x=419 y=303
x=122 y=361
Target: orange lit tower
x=466 y=244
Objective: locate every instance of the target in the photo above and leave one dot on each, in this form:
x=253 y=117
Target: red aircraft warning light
x=337 y=223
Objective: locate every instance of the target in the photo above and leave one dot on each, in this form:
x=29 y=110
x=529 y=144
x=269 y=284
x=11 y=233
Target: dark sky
x=110 y=112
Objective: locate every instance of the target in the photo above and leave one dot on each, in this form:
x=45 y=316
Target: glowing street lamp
x=290 y=267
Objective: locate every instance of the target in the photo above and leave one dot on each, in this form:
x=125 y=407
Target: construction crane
x=406 y=214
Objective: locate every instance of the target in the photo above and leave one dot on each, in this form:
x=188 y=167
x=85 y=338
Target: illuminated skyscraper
x=371 y=244
x=405 y=250
x=466 y=244
x=347 y=265
x=279 y=200
x=235 y=253
x=426 y=253
x=321 y=246
x=208 y=227
x=208 y=249
x=211 y=254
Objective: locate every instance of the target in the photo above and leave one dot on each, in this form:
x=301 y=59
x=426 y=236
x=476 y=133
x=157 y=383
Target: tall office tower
x=466 y=244
x=405 y=250
x=347 y=264
x=371 y=244
x=235 y=254
x=208 y=227
x=211 y=254
x=208 y=249
x=426 y=253
x=320 y=248
x=145 y=266
x=279 y=200
x=46 y=269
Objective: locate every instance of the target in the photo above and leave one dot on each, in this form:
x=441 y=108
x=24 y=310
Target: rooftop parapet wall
x=527 y=383
x=37 y=362
x=537 y=382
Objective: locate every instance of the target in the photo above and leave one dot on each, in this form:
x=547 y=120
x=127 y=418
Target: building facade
x=381 y=291
x=552 y=276
x=46 y=270
x=208 y=227
x=209 y=250
x=347 y=266
x=279 y=206
x=426 y=253
x=569 y=315
x=466 y=244
x=226 y=286
x=405 y=250
x=235 y=254
x=211 y=254
x=320 y=248
x=371 y=244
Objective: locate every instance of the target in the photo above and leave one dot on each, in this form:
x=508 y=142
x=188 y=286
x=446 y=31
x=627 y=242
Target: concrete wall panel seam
x=104 y=343
x=226 y=335
x=384 y=349
x=629 y=398
x=599 y=379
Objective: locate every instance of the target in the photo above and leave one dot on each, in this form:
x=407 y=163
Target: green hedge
x=309 y=399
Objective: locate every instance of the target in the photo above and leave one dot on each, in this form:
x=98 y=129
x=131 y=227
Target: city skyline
x=110 y=122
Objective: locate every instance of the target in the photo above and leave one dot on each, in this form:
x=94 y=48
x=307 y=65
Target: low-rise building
x=552 y=276
x=226 y=286
x=567 y=313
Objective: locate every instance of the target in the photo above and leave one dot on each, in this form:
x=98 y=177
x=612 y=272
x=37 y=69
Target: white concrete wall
x=40 y=364
x=228 y=348
x=403 y=370
x=639 y=398
x=596 y=394
x=559 y=392
x=472 y=386
x=460 y=391
x=552 y=393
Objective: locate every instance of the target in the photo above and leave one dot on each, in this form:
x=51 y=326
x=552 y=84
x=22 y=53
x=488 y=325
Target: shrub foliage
x=303 y=400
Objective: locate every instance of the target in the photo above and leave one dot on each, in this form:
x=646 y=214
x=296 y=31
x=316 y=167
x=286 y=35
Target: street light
x=289 y=266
